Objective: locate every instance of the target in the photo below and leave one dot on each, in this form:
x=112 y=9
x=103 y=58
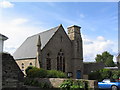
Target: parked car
x=109 y=84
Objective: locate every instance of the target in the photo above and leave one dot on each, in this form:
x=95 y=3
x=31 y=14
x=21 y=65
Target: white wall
x=1 y=45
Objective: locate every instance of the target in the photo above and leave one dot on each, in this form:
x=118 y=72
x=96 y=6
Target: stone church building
x=53 y=49
x=118 y=61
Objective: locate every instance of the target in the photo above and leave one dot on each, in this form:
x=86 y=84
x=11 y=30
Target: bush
x=55 y=74
x=116 y=74
x=28 y=68
x=66 y=84
x=74 y=84
x=104 y=73
x=42 y=73
x=32 y=82
x=36 y=72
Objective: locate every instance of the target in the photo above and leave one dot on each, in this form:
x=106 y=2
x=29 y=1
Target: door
x=78 y=74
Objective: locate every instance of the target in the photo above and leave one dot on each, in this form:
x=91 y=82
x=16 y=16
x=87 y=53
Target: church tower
x=38 y=59
x=77 y=58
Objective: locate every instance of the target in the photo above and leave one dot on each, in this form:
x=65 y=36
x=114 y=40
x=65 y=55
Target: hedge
x=33 y=72
x=104 y=74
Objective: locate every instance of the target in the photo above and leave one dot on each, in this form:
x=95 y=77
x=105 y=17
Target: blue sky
x=99 y=22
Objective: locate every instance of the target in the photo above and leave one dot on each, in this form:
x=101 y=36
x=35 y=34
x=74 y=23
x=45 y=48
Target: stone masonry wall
x=12 y=76
x=90 y=67
x=26 y=63
x=56 y=82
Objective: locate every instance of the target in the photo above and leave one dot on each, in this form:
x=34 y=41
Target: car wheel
x=114 y=88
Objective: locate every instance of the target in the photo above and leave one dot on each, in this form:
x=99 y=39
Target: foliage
x=34 y=72
x=32 y=82
x=116 y=74
x=66 y=84
x=74 y=84
x=28 y=68
x=106 y=58
x=55 y=74
x=104 y=73
x=37 y=72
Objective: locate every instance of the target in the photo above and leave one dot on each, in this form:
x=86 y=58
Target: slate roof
x=3 y=37
x=29 y=47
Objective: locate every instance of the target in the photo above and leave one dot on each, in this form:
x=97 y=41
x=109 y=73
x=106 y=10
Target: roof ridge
x=45 y=31
x=30 y=43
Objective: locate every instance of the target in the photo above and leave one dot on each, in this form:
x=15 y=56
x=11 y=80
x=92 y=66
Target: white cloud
x=17 y=30
x=100 y=38
x=82 y=15
x=93 y=47
x=19 y=21
x=6 y=4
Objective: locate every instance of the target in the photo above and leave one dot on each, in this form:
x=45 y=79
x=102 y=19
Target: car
x=109 y=84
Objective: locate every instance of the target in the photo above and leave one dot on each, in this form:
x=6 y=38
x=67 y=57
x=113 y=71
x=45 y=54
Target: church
x=53 y=49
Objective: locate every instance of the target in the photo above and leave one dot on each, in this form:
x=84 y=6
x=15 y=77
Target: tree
x=106 y=58
x=116 y=74
x=105 y=73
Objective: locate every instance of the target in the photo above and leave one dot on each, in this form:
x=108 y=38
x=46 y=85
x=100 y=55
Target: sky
x=98 y=22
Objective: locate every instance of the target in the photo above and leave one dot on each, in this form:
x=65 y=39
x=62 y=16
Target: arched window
x=48 y=62
x=30 y=64
x=61 y=61
x=22 y=65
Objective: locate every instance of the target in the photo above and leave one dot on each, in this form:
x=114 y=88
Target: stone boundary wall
x=90 y=67
x=56 y=82
x=12 y=76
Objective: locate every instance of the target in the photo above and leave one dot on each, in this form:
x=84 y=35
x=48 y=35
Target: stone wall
x=90 y=67
x=56 y=82
x=12 y=76
x=119 y=67
x=26 y=63
x=60 y=40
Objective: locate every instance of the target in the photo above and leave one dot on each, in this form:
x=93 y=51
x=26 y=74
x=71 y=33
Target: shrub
x=42 y=73
x=27 y=81
x=32 y=82
x=28 y=68
x=116 y=74
x=44 y=85
x=55 y=74
x=66 y=84
x=105 y=73
x=74 y=84
x=32 y=73
x=36 y=72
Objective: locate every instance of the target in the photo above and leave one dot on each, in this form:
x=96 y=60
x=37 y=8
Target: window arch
x=22 y=65
x=30 y=64
x=48 y=62
x=61 y=61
